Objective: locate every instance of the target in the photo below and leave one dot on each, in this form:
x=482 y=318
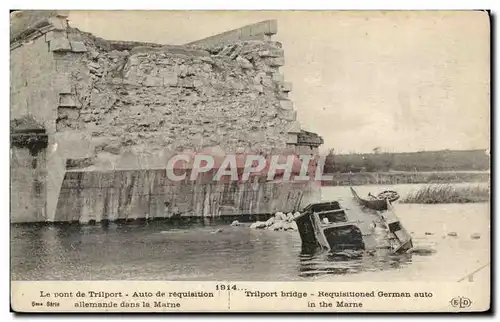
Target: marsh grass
x=446 y=193
x=392 y=178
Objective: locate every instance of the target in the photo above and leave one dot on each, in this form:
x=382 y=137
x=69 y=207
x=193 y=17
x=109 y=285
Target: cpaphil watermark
x=242 y=167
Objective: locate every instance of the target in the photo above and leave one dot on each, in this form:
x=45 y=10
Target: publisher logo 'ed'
x=460 y=302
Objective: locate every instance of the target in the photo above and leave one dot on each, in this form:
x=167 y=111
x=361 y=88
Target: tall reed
x=445 y=193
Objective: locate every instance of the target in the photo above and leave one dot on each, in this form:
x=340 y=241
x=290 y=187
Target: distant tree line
x=445 y=160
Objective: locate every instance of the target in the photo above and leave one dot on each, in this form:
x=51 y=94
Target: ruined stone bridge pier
x=94 y=121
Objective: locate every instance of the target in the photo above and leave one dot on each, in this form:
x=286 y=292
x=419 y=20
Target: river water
x=161 y=251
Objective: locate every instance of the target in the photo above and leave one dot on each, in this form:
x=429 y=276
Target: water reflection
x=316 y=263
x=188 y=249
x=175 y=251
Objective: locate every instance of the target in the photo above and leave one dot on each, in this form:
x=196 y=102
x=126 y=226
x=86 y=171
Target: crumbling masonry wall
x=128 y=106
x=148 y=99
x=34 y=96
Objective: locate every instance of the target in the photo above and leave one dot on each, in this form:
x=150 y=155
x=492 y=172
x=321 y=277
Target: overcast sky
x=401 y=81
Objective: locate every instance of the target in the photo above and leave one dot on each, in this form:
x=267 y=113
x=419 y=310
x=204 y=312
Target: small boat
x=356 y=224
x=375 y=204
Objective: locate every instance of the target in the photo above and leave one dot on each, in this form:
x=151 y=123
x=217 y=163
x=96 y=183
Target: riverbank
x=392 y=178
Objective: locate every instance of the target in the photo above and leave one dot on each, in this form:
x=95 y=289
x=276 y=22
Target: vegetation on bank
x=392 y=178
x=445 y=160
x=433 y=194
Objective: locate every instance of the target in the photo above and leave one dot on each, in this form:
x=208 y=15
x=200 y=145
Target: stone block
x=294 y=127
x=271 y=53
x=78 y=46
x=244 y=63
x=163 y=61
x=153 y=81
x=32 y=36
x=46 y=29
x=79 y=163
x=59 y=23
x=267 y=81
x=93 y=53
x=275 y=62
x=268 y=27
x=259 y=88
x=115 y=81
x=15 y=45
x=262 y=66
x=257 y=136
x=261 y=30
x=67 y=100
x=62 y=83
x=197 y=83
x=282 y=95
x=59 y=44
x=67 y=113
x=185 y=82
x=191 y=71
x=172 y=49
x=133 y=79
x=236 y=85
x=134 y=60
x=277 y=77
x=274 y=69
x=291 y=138
x=55 y=34
x=208 y=60
x=62 y=13
x=21 y=21
x=286 y=87
x=286 y=105
x=94 y=66
x=113 y=148
x=128 y=160
x=287 y=115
